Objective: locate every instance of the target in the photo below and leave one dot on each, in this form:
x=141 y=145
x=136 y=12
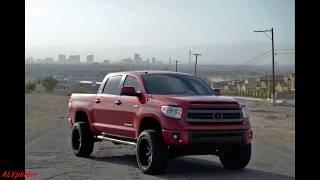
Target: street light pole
x=176 y=65
x=195 y=66
x=273 y=77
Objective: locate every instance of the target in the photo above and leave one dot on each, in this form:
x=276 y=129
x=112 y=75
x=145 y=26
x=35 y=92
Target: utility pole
x=268 y=86
x=273 y=78
x=195 y=66
x=176 y=65
x=148 y=64
x=190 y=56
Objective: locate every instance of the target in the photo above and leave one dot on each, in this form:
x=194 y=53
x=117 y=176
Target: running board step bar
x=117 y=140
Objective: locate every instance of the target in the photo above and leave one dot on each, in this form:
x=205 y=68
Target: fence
x=261 y=94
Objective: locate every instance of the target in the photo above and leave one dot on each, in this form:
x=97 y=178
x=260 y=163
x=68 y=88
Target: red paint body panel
x=124 y=119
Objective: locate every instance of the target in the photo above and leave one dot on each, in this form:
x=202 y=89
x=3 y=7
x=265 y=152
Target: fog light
x=175 y=136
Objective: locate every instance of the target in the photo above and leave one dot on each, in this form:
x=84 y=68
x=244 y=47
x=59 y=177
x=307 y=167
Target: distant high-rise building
x=137 y=58
x=190 y=56
x=74 y=59
x=153 y=60
x=48 y=60
x=62 y=58
x=106 y=61
x=159 y=62
x=29 y=60
x=127 y=61
x=90 y=59
x=169 y=60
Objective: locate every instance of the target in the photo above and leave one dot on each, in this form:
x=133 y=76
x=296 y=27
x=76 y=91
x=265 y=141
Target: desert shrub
x=29 y=87
x=49 y=83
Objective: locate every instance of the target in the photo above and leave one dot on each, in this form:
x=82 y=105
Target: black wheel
x=236 y=157
x=152 y=153
x=82 y=139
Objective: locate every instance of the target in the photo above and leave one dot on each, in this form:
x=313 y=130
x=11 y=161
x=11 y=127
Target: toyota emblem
x=217 y=115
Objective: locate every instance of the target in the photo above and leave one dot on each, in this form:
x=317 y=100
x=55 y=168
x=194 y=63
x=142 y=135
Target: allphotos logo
x=17 y=174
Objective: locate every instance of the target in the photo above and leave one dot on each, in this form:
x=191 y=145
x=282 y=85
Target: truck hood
x=178 y=100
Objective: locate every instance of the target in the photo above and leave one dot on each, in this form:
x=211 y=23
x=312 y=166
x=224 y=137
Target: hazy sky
x=71 y=26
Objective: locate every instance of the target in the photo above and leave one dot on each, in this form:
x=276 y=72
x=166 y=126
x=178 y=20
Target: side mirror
x=217 y=92
x=128 y=91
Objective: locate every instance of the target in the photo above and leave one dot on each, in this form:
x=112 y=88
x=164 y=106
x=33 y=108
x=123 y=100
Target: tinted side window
x=112 y=85
x=132 y=82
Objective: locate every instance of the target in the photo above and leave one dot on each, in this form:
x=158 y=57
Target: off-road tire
x=157 y=161
x=82 y=140
x=236 y=157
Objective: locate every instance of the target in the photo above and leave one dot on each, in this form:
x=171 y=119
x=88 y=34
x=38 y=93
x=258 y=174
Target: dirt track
x=48 y=150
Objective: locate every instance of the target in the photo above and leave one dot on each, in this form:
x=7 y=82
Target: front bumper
x=207 y=137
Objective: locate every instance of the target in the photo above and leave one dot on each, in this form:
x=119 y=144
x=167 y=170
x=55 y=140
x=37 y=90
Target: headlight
x=171 y=111
x=245 y=111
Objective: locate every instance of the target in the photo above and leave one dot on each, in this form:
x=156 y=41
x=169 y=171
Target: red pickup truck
x=165 y=115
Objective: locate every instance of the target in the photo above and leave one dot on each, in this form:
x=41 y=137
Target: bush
x=49 y=83
x=30 y=87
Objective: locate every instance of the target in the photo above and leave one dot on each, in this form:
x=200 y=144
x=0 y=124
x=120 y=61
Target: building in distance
x=29 y=60
x=106 y=61
x=74 y=59
x=127 y=61
x=48 y=60
x=90 y=59
x=62 y=58
x=137 y=58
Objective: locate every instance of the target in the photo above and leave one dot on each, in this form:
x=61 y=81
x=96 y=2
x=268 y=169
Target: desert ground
x=48 y=148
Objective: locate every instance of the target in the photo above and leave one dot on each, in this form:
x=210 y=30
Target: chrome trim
x=212 y=111
x=213 y=120
x=117 y=140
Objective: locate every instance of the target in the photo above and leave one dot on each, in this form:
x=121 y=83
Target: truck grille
x=214 y=115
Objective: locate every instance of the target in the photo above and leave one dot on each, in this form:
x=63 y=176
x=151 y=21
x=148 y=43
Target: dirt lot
x=48 y=150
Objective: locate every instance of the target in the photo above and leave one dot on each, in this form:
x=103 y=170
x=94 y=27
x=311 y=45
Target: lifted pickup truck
x=165 y=115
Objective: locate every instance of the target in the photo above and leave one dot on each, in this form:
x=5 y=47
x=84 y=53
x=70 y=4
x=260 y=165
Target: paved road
x=48 y=153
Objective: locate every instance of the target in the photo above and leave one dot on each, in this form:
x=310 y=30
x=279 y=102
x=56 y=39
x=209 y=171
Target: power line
x=286 y=49
x=267 y=35
x=261 y=59
x=284 y=53
x=255 y=58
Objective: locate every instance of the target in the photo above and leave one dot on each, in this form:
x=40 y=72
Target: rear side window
x=132 y=82
x=113 y=85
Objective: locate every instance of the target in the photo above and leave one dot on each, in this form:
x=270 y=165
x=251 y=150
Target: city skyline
x=284 y=56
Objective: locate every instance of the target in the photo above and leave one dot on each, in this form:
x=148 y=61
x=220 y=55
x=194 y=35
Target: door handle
x=117 y=102
x=97 y=100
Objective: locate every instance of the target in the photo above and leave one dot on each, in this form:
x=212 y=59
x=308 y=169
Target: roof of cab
x=148 y=72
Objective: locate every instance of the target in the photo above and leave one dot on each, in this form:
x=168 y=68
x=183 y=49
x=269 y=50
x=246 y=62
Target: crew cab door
x=126 y=111
x=104 y=105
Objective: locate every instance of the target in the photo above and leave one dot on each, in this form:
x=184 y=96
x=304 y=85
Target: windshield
x=165 y=84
